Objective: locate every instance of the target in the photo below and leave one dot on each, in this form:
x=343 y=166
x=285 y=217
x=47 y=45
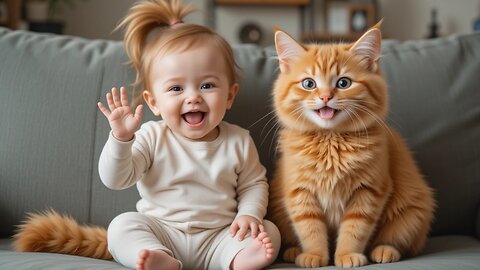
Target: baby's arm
x=118 y=168
x=252 y=191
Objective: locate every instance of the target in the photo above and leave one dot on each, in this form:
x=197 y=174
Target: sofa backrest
x=51 y=132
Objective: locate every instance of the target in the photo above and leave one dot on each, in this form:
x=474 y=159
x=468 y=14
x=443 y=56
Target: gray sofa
x=51 y=134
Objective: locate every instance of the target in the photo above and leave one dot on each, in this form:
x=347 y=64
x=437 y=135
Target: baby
x=203 y=191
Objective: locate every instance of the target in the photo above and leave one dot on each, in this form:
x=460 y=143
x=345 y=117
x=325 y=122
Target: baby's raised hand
x=243 y=224
x=122 y=121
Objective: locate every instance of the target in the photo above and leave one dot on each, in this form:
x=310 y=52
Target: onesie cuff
x=253 y=210
x=119 y=149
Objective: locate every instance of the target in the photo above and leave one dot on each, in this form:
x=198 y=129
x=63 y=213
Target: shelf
x=367 y=9
x=263 y=2
x=302 y=5
x=322 y=37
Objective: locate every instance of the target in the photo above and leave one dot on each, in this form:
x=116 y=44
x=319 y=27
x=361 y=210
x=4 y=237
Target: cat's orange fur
x=346 y=182
x=51 y=232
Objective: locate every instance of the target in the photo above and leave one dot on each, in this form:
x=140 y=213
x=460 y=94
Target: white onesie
x=191 y=190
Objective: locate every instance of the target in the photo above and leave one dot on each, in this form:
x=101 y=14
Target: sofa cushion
x=442 y=253
x=434 y=97
x=49 y=86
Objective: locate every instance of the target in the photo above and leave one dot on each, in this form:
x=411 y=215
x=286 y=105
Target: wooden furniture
x=13 y=14
x=301 y=4
x=308 y=33
x=370 y=8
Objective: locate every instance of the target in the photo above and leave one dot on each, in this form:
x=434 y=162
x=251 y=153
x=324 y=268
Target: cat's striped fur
x=346 y=186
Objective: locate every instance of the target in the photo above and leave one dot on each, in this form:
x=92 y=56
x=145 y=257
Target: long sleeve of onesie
x=252 y=186
x=192 y=185
x=122 y=164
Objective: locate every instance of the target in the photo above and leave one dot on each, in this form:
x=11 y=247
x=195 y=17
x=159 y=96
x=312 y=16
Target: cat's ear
x=368 y=47
x=288 y=49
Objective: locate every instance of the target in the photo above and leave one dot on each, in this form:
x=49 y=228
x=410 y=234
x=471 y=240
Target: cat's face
x=334 y=87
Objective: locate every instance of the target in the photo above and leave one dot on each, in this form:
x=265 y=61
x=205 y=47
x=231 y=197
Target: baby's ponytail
x=155 y=28
x=145 y=17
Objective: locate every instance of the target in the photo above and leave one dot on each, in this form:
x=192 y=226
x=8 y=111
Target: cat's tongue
x=193 y=118
x=326 y=113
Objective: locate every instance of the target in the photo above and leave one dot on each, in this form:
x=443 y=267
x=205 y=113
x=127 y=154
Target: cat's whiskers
x=299 y=112
x=357 y=131
x=269 y=130
x=273 y=139
x=379 y=120
x=264 y=126
x=263 y=117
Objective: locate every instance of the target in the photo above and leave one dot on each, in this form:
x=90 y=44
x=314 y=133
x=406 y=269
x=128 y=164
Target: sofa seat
x=441 y=253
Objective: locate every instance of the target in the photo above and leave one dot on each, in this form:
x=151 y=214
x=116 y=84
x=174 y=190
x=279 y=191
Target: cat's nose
x=325 y=98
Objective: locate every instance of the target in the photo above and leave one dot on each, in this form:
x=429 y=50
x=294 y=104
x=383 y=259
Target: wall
x=403 y=20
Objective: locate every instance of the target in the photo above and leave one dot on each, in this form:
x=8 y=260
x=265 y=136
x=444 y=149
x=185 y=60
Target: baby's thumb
x=138 y=113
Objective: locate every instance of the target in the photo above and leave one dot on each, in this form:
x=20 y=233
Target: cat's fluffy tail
x=51 y=232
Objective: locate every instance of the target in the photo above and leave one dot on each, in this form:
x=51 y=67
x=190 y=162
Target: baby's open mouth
x=193 y=118
x=326 y=113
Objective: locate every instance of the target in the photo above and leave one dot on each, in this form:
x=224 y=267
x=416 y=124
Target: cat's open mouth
x=326 y=113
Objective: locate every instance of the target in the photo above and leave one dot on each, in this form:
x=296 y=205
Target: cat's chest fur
x=331 y=165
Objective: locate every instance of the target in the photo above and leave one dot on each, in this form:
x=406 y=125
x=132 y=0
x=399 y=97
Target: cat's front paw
x=385 y=254
x=291 y=254
x=309 y=260
x=350 y=260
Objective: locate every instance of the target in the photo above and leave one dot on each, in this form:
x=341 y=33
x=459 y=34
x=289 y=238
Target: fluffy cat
x=345 y=182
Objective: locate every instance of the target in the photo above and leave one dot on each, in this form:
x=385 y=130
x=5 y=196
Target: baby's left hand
x=242 y=224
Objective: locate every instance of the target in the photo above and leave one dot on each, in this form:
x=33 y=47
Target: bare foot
x=257 y=255
x=156 y=259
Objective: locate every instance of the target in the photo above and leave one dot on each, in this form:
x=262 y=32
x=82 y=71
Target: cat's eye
x=309 y=84
x=343 y=83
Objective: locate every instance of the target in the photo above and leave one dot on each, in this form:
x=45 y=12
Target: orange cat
x=345 y=182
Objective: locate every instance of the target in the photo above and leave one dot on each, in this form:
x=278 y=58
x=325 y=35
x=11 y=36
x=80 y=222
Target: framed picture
x=361 y=17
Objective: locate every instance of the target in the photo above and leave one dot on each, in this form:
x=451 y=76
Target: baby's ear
x=151 y=102
x=368 y=47
x=288 y=50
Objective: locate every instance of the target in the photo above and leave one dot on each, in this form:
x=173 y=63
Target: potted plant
x=42 y=15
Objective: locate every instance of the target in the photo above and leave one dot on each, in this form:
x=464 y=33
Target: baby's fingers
x=111 y=104
x=254 y=229
x=123 y=96
x=138 y=113
x=104 y=110
x=234 y=229
x=116 y=97
x=243 y=231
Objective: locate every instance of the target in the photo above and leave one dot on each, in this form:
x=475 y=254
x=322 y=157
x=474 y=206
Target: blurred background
x=252 y=21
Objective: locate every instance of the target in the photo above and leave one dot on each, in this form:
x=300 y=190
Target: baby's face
x=191 y=92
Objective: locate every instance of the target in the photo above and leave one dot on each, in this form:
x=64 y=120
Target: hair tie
x=176 y=22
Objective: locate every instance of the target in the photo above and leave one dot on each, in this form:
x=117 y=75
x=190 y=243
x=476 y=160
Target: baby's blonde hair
x=156 y=27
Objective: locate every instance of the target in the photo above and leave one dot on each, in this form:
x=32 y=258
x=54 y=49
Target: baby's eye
x=175 y=89
x=343 y=83
x=308 y=84
x=207 y=86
